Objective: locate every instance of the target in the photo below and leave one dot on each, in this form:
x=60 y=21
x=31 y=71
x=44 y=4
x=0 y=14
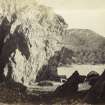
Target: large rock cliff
x=30 y=36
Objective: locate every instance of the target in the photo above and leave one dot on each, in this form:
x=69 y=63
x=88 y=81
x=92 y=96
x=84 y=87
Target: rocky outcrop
x=92 y=77
x=90 y=88
x=49 y=71
x=70 y=87
x=97 y=92
x=89 y=81
x=5 y=27
x=30 y=38
x=32 y=34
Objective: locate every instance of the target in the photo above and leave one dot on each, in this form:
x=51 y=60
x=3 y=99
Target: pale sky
x=80 y=13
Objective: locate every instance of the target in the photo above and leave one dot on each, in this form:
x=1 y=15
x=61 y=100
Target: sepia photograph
x=52 y=52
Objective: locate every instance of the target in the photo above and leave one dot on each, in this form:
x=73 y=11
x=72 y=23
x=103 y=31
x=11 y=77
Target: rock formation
x=97 y=92
x=49 y=71
x=92 y=77
x=70 y=87
x=29 y=36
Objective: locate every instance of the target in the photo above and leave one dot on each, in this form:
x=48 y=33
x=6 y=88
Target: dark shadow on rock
x=69 y=88
x=97 y=92
x=4 y=31
x=49 y=71
x=11 y=91
x=92 y=77
x=17 y=40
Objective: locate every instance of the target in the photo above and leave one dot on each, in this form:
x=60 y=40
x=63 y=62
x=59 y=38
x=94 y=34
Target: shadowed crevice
x=17 y=40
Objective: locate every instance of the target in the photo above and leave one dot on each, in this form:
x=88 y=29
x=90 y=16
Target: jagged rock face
x=70 y=87
x=60 y=58
x=34 y=35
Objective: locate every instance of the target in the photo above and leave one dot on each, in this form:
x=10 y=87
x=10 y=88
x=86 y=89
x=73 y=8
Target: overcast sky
x=80 y=13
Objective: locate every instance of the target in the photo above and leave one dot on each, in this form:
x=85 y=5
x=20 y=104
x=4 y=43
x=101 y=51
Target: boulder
x=97 y=92
x=70 y=87
x=91 y=74
x=92 y=77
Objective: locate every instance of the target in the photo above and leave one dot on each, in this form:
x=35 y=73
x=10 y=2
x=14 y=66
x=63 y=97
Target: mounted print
x=52 y=52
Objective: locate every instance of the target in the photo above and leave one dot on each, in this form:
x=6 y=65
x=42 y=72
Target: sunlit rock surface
x=34 y=36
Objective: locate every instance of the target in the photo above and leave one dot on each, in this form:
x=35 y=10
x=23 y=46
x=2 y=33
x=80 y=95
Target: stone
x=70 y=87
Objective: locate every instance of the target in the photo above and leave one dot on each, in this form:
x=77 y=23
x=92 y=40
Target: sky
x=86 y=14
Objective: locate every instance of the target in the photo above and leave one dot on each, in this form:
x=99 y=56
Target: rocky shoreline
x=66 y=94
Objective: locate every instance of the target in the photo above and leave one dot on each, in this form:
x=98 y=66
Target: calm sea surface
x=82 y=69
